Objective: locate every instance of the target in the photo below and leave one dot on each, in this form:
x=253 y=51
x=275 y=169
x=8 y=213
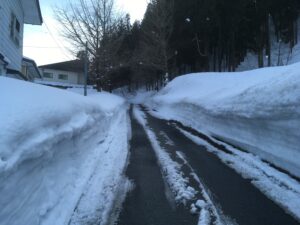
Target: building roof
x=72 y=66
x=32 y=12
x=32 y=66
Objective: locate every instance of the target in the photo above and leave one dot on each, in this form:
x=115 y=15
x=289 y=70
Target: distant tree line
x=177 y=37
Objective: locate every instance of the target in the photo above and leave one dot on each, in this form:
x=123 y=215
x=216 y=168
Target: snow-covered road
x=150 y=201
x=211 y=180
x=66 y=159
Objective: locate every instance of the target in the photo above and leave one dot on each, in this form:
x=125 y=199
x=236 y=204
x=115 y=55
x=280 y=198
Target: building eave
x=76 y=66
x=33 y=64
x=32 y=12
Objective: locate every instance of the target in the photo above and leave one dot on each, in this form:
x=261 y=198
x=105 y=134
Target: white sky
x=44 y=43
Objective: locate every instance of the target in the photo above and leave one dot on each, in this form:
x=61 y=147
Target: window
x=24 y=70
x=15 y=29
x=18 y=26
x=63 y=77
x=48 y=75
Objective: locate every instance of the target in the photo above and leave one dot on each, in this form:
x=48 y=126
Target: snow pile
x=105 y=99
x=136 y=97
x=257 y=110
x=51 y=143
x=61 y=84
x=80 y=90
x=108 y=183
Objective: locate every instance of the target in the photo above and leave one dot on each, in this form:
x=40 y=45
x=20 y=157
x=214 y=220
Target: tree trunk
x=268 y=41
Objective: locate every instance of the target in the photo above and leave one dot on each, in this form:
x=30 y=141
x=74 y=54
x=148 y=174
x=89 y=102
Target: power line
x=40 y=47
x=58 y=45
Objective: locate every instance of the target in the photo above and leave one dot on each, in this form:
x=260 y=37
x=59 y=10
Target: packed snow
x=208 y=208
x=56 y=148
x=61 y=84
x=180 y=183
x=257 y=110
x=276 y=185
x=170 y=169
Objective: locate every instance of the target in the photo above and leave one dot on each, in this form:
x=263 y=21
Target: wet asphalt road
x=147 y=204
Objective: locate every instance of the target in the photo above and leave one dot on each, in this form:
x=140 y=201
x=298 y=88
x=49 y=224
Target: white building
x=13 y=15
x=67 y=73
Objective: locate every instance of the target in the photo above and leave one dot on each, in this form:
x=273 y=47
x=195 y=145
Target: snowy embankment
x=257 y=110
x=55 y=147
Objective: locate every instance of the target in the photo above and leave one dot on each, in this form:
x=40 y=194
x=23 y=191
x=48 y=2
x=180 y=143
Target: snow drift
x=257 y=110
x=51 y=142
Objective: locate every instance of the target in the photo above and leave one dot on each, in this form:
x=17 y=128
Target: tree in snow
x=89 y=21
x=157 y=28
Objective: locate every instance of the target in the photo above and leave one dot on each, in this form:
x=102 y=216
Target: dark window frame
x=48 y=77
x=15 y=29
x=60 y=76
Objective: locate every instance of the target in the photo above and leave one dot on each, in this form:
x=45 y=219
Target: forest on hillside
x=175 y=37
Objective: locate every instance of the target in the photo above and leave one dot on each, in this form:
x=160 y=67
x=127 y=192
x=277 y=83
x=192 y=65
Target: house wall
x=7 y=46
x=73 y=78
x=81 y=78
x=2 y=70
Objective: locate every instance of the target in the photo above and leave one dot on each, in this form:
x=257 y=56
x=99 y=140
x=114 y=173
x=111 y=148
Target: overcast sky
x=45 y=45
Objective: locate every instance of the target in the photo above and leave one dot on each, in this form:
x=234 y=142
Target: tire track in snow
x=180 y=181
x=233 y=194
x=148 y=203
x=279 y=187
x=97 y=201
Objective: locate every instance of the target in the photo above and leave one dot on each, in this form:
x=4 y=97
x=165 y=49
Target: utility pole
x=85 y=69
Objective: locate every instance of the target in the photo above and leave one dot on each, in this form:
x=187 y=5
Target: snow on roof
x=32 y=12
x=27 y=58
x=73 y=66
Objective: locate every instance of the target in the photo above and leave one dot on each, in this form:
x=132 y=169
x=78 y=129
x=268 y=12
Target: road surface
x=235 y=199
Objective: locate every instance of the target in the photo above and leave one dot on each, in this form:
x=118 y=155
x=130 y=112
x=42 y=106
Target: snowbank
x=107 y=101
x=136 y=97
x=61 y=84
x=51 y=142
x=258 y=110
